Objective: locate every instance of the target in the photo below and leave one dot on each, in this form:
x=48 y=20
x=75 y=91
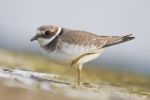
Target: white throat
x=43 y=42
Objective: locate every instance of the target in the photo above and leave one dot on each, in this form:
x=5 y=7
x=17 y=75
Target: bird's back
x=83 y=38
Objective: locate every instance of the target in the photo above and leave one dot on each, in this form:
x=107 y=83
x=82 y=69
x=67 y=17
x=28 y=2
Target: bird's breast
x=66 y=53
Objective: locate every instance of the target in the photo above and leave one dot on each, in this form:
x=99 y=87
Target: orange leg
x=79 y=68
x=79 y=76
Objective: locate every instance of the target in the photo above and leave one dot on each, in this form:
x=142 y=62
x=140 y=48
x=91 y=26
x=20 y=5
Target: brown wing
x=113 y=40
x=82 y=38
x=87 y=38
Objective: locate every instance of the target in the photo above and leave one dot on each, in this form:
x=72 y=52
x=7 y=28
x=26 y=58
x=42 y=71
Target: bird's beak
x=34 y=38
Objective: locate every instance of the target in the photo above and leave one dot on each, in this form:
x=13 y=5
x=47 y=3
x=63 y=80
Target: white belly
x=68 y=53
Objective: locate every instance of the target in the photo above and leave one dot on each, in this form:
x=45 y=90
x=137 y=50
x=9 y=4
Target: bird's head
x=45 y=34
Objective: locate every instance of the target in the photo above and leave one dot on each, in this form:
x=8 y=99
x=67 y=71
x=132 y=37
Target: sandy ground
x=28 y=85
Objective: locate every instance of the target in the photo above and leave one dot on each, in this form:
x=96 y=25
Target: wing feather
x=86 y=38
x=82 y=38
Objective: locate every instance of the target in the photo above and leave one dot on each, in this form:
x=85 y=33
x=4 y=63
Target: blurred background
x=20 y=18
x=124 y=66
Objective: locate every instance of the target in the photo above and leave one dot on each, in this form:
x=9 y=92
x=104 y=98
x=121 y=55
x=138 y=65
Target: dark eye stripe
x=47 y=32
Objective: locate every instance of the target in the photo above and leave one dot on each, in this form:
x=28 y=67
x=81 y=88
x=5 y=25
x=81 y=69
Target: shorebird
x=74 y=47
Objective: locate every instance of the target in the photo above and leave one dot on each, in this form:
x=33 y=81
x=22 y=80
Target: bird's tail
x=118 y=39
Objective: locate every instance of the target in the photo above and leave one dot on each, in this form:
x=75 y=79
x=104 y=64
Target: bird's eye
x=47 y=32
